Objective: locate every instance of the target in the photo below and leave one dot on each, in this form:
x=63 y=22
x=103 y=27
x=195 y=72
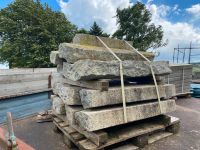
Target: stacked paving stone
x=87 y=103
x=181 y=77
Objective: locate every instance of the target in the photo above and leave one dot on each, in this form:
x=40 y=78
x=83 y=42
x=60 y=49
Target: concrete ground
x=42 y=137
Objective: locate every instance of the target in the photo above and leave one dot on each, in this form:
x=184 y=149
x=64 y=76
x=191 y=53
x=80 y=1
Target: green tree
x=96 y=30
x=29 y=31
x=134 y=24
x=82 y=30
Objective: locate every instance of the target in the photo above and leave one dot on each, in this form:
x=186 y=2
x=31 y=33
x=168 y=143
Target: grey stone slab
x=70 y=113
x=180 y=73
x=97 y=119
x=180 y=66
x=54 y=57
x=57 y=105
x=74 y=52
x=179 y=76
x=96 y=98
x=60 y=67
x=95 y=69
x=55 y=78
x=55 y=88
x=69 y=94
x=87 y=39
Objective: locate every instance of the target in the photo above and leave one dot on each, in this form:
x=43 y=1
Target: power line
x=182 y=51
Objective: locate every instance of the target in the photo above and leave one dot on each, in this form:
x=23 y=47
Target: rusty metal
x=49 y=81
x=49 y=85
x=8 y=141
x=12 y=143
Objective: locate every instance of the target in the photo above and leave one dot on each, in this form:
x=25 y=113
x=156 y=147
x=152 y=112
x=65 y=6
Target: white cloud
x=194 y=10
x=176 y=9
x=83 y=13
x=177 y=33
x=162 y=10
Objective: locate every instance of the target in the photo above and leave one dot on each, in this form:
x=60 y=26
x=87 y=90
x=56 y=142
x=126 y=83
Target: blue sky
x=182 y=4
x=180 y=19
x=52 y=3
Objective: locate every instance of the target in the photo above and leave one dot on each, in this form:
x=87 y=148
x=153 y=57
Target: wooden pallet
x=104 y=84
x=135 y=135
x=185 y=95
x=97 y=137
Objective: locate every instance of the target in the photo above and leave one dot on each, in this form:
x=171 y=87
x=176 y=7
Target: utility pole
x=184 y=51
x=184 y=56
x=189 y=58
x=177 y=55
x=174 y=54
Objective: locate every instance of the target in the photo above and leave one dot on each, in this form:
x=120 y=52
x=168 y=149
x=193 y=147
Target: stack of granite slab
x=87 y=103
x=181 y=77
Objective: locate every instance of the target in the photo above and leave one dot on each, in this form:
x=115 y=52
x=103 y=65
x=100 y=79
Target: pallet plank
x=102 y=85
x=77 y=136
x=157 y=136
x=98 y=137
x=66 y=134
x=70 y=130
x=122 y=133
x=63 y=124
x=57 y=120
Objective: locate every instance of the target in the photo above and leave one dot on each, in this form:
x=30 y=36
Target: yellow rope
x=121 y=78
x=152 y=72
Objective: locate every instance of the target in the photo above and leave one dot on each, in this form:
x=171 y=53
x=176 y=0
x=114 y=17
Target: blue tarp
x=195 y=89
x=24 y=105
x=195 y=86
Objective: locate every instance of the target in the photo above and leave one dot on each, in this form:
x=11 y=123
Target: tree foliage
x=95 y=29
x=82 y=30
x=29 y=31
x=134 y=24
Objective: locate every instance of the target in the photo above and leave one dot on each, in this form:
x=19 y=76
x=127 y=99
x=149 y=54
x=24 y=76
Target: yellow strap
x=152 y=72
x=121 y=78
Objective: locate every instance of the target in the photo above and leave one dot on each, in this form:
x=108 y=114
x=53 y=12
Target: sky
x=180 y=19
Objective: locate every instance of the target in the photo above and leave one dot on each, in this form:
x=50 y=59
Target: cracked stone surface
x=74 y=52
x=87 y=39
x=97 y=119
x=70 y=111
x=95 y=98
x=57 y=105
x=54 y=57
x=69 y=94
x=95 y=69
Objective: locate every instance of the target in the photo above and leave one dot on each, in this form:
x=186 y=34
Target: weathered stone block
x=87 y=39
x=57 y=105
x=69 y=94
x=95 y=69
x=60 y=67
x=54 y=57
x=96 y=98
x=97 y=119
x=55 y=78
x=55 y=88
x=70 y=113
x=74 y=52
